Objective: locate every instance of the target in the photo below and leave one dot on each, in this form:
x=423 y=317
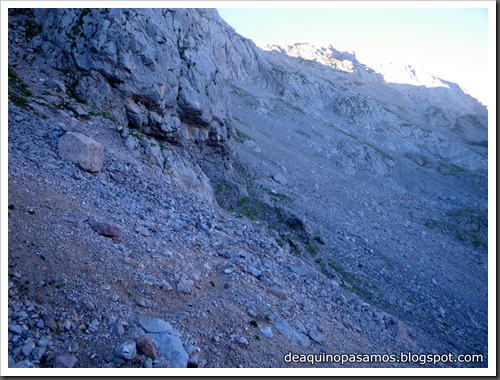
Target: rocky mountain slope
x=179 y=197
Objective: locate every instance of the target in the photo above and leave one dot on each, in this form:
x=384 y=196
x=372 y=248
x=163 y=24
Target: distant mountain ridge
x=391 y=72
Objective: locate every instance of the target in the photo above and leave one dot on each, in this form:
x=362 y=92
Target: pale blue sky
x=451 y=43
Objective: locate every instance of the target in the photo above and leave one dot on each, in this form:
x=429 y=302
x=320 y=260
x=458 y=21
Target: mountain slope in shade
x=252 y=202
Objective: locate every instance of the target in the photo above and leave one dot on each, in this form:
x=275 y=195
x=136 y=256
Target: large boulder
x=168 y=340
x=85 y=152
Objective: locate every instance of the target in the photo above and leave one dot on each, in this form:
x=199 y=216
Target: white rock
x=82 y=150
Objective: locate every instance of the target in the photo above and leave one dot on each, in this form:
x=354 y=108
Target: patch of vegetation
x=445 y=168
x=254 y=323
x=18 y=87
x=18 y=91
x=19 y=101
x=32 y=30
x=12 y=207
x=104 y=115
x=77 y=27
x=445 y=325
x=355 y=285
x=72 y=86
x=221 y=187
x=319 y=240
x=273 y=193
x=43 y=117
x=466 y=225
x=243 y=200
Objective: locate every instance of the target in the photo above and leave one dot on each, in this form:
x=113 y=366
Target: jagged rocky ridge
x=368 y=198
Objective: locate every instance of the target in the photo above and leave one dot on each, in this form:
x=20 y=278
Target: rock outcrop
x=82 y=150
x=152 y=70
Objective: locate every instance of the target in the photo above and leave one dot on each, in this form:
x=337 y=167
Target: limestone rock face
x=87 y=153
x=160 y=71
x=155 y=70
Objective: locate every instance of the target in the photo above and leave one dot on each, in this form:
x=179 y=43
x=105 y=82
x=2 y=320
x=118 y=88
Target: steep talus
x=180 y=197
x=398 y=171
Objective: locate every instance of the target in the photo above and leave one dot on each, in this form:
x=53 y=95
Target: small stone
x=266 y=331
x=72 y=347
x=290 y=334
x=28 y=347
x=143 y=302
x=106 y=228
x=38 y=353
x=55 y=85
x=166 y=286
x=16 y=329
x=301 y=271
x=254 y=271
x=280 y=179
x=146 y=347
x=126 y=350
x=43 y=342
x=315 y=335
x=242 y=340
x=67 y=325
x=93 y=326
x=114 y=297
x=278 y=293
x=251 y=312
x=184 y=286
x=143 y=231
x=20 y=315
x=22 y=364
x=78 y=110
x=119 y=330
x=64 y=361
x=50 y=322
x=90 y=306
x=112 y=320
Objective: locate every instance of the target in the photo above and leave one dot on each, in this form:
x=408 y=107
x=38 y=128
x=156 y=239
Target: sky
x=451 y=43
